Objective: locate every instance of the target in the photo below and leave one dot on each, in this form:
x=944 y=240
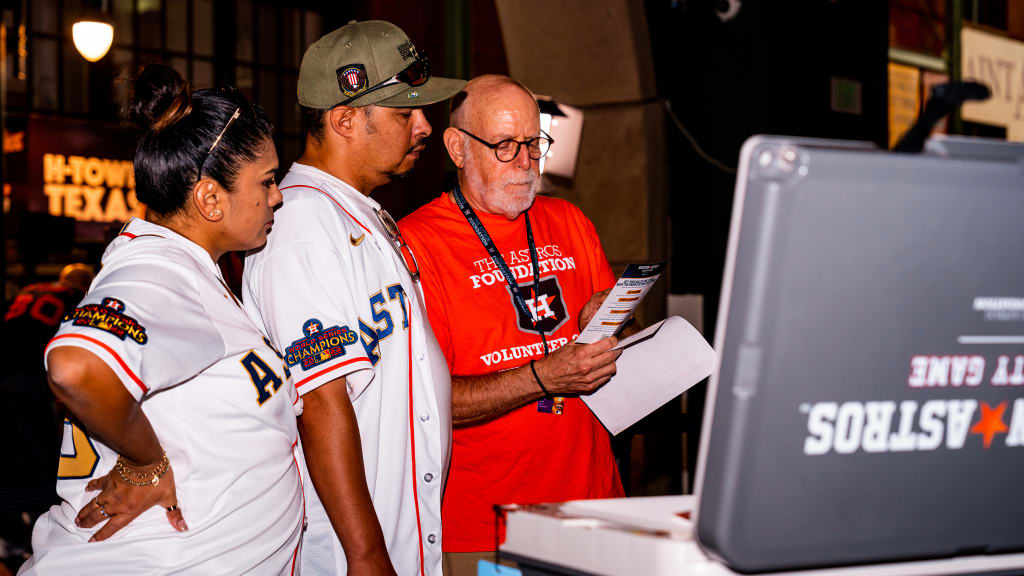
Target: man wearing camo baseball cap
x=336 y=289
x=371 y=62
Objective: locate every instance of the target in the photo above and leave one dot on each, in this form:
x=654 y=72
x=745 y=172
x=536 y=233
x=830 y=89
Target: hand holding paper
x=656 y=365
x=591 y=308
x=577 y=368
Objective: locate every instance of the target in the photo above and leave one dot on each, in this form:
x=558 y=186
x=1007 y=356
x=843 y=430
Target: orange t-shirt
x=525 y=456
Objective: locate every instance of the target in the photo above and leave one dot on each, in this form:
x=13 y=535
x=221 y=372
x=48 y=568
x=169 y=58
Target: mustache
x=527 y=178
x=420 y=144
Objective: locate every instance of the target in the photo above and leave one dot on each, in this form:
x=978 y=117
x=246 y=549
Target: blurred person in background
x=179 y=407
x=30 y=420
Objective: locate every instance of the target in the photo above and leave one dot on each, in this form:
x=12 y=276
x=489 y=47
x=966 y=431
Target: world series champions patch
x=108 y=316
x=320 y=344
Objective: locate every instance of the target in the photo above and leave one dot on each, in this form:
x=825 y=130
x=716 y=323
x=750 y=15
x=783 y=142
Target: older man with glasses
x=510 y=279
x=336 y=288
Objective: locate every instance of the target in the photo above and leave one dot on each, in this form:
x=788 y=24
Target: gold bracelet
x=145 y=478
x=144 y=472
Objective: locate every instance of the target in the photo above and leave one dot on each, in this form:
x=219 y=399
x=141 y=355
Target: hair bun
x=159 y=98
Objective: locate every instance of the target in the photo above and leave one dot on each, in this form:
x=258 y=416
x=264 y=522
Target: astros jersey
x=337 y=299
x=527 y=455
x=219 y=400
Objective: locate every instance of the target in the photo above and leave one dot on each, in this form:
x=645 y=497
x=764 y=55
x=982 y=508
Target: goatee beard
x=395 y=176
x=499 y=201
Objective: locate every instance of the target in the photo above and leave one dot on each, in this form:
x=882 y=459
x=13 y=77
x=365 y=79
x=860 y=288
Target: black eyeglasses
x=398 y=243
x=415 y=74
x=508 y=149
x=238 y=112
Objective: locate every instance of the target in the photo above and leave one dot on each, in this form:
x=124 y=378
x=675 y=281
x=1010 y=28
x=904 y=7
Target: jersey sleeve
x=303 y=294
x=148 y=324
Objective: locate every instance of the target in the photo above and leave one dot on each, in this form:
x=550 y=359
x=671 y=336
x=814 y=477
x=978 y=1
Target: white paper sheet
x=656 y=365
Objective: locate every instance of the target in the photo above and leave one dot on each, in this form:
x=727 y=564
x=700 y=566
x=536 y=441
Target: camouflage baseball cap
x=356 y=58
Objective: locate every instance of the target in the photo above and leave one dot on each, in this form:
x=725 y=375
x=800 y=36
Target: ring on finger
x=172 y=508
x=103 y=510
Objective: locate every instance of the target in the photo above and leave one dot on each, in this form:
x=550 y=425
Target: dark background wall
x=767 y=71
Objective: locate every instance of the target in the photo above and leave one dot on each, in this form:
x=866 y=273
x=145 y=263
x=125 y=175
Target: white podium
x=654 y=537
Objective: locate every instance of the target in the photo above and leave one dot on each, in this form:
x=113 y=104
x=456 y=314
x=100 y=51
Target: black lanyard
x=513 y=286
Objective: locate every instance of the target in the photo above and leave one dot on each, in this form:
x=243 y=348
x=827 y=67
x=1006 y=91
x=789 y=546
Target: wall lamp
x=93 y=33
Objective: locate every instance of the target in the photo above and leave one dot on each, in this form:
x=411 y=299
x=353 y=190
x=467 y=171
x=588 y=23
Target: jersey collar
x=337 y=188
x=136 y=227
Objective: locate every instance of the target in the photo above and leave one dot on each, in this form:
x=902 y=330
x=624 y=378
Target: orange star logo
x=991 y=423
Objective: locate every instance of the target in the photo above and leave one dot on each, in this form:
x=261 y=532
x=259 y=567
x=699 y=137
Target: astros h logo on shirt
x=546 y=306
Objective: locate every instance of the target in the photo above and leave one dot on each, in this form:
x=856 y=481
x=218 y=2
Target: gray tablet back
x=869 y=402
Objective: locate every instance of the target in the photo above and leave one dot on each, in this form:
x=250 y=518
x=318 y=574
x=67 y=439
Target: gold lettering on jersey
x=90 y=189
x=81 y=458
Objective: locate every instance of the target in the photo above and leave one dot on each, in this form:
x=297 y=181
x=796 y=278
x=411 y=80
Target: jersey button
x=428 y=477
x=424 y=416
x=431 y=538
x=419 y=356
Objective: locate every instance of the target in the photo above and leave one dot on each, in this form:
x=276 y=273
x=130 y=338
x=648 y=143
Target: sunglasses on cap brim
x=415 y=74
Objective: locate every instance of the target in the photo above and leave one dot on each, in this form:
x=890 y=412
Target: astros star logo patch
x=113 y=303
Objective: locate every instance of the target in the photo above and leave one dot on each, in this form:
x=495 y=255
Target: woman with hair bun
x=180 y=409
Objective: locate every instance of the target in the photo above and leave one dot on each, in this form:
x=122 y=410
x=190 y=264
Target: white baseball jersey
x=220 y=401
x=333 y=294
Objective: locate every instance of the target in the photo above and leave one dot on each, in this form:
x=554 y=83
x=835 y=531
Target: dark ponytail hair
x=178 y=129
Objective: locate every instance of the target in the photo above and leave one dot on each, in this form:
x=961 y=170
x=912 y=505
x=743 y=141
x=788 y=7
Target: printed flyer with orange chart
x=625 y=297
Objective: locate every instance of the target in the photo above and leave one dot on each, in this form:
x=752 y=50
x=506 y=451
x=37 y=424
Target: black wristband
x=537 y=378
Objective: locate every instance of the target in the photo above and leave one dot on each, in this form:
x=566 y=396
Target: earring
x=215 y=213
